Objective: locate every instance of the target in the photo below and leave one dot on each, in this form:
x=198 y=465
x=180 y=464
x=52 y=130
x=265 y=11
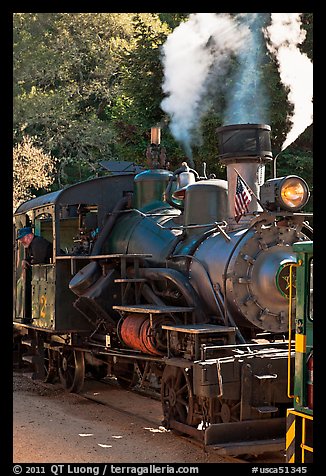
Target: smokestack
x=155 y=153
x=246 y=148
x=155 y=135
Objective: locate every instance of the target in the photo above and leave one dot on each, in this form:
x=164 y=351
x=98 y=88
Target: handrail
x=303 y=445
x=299 y=263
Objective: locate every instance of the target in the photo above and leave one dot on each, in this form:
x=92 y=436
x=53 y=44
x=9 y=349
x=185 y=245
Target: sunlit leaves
x=32 y=170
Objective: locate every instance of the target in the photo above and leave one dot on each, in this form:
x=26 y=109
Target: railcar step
x=28 y=341
x=153 y=309
x=199 y=329
x=131 y=280
x=266 y=409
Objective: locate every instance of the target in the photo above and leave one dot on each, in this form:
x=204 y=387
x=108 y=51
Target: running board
x=247 y=437
x=253 y=437
x=255 y=448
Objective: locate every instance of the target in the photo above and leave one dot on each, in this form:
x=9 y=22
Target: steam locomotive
x=156 y=282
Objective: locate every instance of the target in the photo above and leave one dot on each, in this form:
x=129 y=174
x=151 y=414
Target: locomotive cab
x=33 y=290
x=71 y=220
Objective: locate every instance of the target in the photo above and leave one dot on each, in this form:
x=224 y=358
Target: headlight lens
x=294 y=193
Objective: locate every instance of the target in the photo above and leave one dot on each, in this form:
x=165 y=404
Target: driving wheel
x=71 y=368
x=50 y=368
x=176 y=396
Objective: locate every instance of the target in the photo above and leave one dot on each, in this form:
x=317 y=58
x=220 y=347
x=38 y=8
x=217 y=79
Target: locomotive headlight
x=285 y=193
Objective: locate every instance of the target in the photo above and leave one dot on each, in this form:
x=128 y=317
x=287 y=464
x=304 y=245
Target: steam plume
x=195 y=53
x=247 y=101
x=196 y=57
x=295 y=68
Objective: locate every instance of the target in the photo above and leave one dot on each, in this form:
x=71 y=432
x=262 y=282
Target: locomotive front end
x=240 y=268
x=251 y=268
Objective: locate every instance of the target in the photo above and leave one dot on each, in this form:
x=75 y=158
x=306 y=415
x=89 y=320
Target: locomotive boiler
x=159 y=280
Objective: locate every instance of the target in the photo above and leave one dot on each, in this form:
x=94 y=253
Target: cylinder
x=130 y=331
x=139 y=332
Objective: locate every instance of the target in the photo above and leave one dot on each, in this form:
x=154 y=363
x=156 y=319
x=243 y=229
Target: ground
x=51 y=425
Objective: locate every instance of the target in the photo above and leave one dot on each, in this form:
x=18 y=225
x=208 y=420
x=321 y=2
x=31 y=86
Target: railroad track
x=105 y=392
x=145 y=408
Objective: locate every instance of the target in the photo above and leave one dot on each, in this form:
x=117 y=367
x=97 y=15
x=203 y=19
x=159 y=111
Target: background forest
x=88 y=88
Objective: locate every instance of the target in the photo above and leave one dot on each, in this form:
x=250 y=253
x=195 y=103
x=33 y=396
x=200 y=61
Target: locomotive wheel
x=72 y=370
x=176 y=396
x=50 y=371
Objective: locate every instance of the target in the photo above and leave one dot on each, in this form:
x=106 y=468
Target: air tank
x=206 y=202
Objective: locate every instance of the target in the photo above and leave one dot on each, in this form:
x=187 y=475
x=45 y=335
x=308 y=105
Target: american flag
x=242 y=199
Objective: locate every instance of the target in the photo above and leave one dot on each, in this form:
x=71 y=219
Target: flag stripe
x=242 y=199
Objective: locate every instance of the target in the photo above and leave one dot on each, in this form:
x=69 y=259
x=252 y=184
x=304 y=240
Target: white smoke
x=195 y=53
x=247 y=101
x=196 y=56
x=295 y=68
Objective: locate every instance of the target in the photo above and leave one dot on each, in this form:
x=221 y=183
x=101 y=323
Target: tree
x=137 y=108
x=33 y=170
x=65 y=73
x=88 y=87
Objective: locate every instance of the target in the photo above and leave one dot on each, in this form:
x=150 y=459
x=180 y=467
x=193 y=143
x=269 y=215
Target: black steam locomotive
x=159 y=281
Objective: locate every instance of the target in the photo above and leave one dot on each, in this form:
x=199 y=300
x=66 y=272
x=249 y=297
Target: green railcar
x=299 y=434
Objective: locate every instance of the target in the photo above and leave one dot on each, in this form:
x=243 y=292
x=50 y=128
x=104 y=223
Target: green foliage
x=88 y=87
x=137 y=109
x=207 y=150
x=173 y=19
x=307 y=46
x=65 y=69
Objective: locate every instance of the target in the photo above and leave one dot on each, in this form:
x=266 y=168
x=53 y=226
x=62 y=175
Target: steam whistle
x=155 y=153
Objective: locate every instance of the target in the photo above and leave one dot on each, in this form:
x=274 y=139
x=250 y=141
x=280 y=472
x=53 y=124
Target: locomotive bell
x=184 y=179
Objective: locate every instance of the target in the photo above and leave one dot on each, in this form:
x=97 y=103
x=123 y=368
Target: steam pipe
x=182 y=283
x=218 y=298
x=274 y=164
x=151 y=296
x=122 y=203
